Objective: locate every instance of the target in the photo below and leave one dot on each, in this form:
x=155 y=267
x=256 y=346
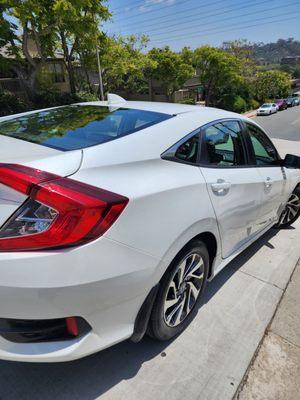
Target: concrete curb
x=260 y=380
x=250 y=114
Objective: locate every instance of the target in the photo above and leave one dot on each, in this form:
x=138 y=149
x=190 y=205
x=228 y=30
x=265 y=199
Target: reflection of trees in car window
x=74 y=127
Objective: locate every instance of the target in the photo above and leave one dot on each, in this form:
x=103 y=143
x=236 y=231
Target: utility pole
x=100 y=74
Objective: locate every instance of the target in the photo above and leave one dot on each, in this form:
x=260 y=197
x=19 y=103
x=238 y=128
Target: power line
x=235 y=27
x=209 y=15
x=167 y=17
x=165 y=32
x=159 y=9
x=139 y=2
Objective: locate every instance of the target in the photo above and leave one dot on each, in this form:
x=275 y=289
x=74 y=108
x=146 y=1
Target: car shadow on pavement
x=89 y=378
x=238 y=262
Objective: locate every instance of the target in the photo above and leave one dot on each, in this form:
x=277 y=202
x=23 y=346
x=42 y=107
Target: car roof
x=164 y=108
x=201 y=115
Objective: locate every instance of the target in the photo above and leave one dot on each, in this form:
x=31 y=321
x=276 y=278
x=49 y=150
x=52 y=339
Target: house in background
x=290 y=60
x=52 y=73
x=191 y=89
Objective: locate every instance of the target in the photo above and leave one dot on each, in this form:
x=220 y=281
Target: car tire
x=292 y=210
x=177 y=300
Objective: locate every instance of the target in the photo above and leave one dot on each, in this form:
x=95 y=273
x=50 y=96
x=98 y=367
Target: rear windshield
x=76 y=127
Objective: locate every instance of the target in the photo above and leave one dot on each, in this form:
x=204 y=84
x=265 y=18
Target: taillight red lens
x=60 y=212
x=22 y=178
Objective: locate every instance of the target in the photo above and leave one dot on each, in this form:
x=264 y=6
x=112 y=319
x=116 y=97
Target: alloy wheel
x=184 y=289
x=291 y=210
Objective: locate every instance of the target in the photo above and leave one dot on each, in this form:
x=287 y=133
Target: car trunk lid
x=15 y=151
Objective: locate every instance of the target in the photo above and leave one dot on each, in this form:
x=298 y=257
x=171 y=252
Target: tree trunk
x=26 y=75
x=71 y=76
x=68 y=63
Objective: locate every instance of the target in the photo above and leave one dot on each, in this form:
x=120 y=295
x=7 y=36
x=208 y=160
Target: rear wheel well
x=142 y=319
x=210 y=242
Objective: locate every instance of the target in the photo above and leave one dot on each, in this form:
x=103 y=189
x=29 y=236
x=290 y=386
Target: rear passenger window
x=263 y=149
x=188 y=151
x=224 y=144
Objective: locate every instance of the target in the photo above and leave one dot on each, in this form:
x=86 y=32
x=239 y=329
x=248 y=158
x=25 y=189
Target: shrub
x=86 y=96
x=11 y=104
x=233 y=103
x=53 y=99
x=253 y=104
x=239 y=105
x=186 y=101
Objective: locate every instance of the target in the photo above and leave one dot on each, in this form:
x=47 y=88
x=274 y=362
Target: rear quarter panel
x=169 y=205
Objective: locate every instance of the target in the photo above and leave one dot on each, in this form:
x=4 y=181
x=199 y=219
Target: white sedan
x=114 y=215
x=267 y=109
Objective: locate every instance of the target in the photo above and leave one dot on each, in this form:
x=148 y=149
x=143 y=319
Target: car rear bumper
x=107 y=291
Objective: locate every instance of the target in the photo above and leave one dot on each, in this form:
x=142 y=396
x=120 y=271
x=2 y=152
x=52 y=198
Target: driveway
x=207 y=361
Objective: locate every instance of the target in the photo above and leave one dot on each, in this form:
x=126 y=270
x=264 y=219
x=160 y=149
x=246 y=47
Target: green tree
x=243 y=50
x=78 y=25
x=56 y=25
x=219 y=72
x=271 y=84
x=187 y=55
x=124 y=63
x=8 y=39
x=169 y=68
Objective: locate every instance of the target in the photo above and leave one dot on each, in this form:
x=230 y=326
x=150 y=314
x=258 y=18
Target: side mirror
x=291 y=161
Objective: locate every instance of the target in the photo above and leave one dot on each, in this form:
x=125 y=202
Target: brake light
x=60 y=212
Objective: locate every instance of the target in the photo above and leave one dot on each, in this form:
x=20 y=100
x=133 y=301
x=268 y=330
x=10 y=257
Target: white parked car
x=114 y=215
x=267 y=109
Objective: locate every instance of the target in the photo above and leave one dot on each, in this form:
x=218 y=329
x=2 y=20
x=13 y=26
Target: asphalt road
x=283 y=125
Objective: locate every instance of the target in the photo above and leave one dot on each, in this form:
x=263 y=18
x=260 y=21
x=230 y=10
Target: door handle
x=268 y=182
x=221 y=187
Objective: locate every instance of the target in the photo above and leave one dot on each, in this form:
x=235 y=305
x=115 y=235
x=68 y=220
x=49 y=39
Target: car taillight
x=60 y=212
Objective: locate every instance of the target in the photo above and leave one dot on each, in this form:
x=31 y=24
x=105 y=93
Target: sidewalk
x=275 y=370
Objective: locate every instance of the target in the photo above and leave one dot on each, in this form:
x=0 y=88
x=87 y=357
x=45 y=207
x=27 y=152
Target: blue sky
x=179 y=23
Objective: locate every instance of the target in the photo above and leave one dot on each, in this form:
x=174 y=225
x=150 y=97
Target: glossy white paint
x=274 y=194
x=107 y=281
x=236 y=205
x=57 y=162
x=267 y=109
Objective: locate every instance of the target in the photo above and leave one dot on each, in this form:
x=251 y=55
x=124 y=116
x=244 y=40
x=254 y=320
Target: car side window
x=263 y=149
x=188 y=151
x=223 y=144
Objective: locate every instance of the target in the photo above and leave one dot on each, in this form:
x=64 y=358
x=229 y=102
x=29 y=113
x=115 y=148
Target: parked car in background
x=297 y=101
x=267 y=109
x=281 y=104
x=291 y=101
x=114 y=215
